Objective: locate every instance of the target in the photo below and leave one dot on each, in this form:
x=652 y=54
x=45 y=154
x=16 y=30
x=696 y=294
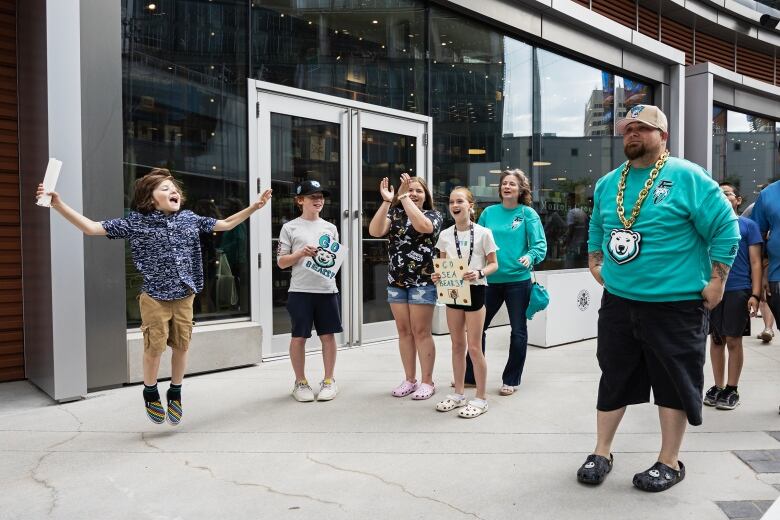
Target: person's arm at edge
x=84 y=224
x=756 y=275
x=240 y=216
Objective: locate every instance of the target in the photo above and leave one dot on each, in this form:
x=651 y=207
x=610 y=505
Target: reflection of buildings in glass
x=750 y=159
x=184 y=73
x=598 y=112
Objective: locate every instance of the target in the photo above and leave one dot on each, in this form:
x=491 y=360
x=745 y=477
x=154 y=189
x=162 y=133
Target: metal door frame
x=263 y=99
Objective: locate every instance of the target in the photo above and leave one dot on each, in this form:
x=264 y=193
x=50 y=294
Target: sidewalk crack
x=394 y=484
x=267 y=488
x=44 y=482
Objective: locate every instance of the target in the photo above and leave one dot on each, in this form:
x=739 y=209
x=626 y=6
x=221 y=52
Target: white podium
x=575 y=298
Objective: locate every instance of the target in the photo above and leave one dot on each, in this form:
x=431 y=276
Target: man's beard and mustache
x=634 y=150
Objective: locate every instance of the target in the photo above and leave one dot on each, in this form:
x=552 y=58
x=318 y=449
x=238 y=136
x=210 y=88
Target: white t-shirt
x=483 y=246
x=297 y=234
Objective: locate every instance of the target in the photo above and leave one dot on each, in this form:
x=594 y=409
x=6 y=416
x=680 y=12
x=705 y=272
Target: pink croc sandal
x=425 y=391
x=405 y=388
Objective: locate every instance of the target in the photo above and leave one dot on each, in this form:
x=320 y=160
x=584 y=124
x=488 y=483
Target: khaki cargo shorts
x=166 y=323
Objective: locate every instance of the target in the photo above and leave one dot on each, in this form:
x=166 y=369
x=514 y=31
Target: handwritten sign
x=452 y=288
x=330 y=255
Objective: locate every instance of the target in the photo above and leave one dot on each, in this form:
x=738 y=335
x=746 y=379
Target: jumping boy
x=166 y=251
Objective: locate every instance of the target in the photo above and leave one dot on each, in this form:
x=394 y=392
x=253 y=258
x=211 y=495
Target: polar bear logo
x=325 y=258
x=624 y=245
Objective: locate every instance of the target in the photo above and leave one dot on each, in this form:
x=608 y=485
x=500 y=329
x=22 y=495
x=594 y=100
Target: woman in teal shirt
x=518 y=232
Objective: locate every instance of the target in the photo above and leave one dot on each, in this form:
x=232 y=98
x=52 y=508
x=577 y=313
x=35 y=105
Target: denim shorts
x=421 y=295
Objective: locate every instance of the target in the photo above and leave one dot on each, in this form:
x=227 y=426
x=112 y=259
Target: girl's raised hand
x=386 y=190
x=263 y=199
x=404 y=186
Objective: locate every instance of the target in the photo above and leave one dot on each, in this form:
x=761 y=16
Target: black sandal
x=595 y=469
x=659 y=477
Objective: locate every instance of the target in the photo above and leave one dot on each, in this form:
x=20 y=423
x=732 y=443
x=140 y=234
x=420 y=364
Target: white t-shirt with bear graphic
x=483 y=246
x=298 y=234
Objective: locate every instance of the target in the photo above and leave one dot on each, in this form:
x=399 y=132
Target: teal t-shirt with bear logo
x=684 y=225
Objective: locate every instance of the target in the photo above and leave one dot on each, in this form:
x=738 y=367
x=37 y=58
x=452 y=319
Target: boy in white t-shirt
x=306 y=244
x=473 y=243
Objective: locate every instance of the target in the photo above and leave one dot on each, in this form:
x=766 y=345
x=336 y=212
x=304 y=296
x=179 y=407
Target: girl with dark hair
x=519 y=234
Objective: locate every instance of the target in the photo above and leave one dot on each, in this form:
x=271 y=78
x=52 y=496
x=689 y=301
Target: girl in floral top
x=412 y=227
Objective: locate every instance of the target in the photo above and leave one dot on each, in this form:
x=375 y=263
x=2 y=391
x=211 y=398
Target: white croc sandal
x=472 y=410
x=450 y=403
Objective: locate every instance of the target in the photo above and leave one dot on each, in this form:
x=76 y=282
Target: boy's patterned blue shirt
x=165 y=249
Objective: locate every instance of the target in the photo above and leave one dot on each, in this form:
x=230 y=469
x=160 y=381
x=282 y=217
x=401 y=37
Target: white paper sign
x=330 y=255
x=50 y=181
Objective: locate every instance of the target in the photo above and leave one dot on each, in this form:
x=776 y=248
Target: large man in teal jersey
x=661 y=241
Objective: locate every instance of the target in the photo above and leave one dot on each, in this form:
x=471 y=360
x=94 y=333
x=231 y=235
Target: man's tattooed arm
x=720 y=271
x=595 y=261
x=713 y=292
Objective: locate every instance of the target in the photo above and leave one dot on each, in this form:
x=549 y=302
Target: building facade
x=235 y=95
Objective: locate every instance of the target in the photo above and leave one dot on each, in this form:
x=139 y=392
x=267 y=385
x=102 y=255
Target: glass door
x=301 y=141
x=348 y=147
x=387 y=147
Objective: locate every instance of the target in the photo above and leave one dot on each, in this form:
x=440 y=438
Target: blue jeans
x=516 y=295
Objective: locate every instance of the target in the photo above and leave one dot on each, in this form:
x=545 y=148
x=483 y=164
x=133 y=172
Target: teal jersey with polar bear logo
x=684 y=225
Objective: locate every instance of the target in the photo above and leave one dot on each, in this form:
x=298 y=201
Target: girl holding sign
x=519 y=234
x=309 y=244
x=412 y=226
x=474 y=244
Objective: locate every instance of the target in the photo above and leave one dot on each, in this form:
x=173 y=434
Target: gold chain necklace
x=627 y=223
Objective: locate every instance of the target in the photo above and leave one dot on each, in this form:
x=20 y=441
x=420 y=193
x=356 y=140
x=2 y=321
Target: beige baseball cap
x=649 y=115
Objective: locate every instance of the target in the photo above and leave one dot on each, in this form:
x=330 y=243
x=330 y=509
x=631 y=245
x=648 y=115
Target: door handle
x=346 y=213
x=357 y=214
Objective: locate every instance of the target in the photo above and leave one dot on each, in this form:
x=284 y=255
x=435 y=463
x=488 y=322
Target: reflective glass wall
x=184 y=70
x=745 y=151
x=497 y=102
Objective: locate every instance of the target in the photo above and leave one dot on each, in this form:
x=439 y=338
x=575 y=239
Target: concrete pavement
x=246 y=450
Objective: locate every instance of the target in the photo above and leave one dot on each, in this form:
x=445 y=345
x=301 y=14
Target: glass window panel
x=576 y=129
x=301 y=149
x=750 y=153
x=371 y=53
x=481 y=85
x=388 y=155
x=579 y=106
x=184 y=69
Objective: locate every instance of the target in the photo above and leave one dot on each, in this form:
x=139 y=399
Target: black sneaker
x=595 y=469
x=659 y=477
x=711 y=396
x=727 y=401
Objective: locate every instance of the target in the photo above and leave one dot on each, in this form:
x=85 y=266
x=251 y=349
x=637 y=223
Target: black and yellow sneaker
x=711 y=396
x=727 y=400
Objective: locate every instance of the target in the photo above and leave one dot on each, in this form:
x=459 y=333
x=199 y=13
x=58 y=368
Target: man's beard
x=634 y=150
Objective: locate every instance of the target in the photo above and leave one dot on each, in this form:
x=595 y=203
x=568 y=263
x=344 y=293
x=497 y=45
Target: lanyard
x=471 y=243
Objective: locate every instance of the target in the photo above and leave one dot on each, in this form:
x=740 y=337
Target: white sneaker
x=302 y=392
x=328 y=390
